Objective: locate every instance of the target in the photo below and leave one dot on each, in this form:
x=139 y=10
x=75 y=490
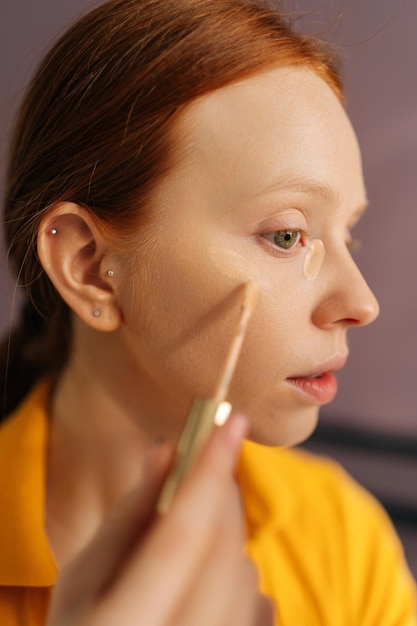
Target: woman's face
x=269 y=164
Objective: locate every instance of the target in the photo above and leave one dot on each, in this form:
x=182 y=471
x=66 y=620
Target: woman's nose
x=347 y=299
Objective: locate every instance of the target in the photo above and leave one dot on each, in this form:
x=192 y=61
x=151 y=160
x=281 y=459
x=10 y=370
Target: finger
x=265 y=611
x=252 y=607
x=226 y=594
x=99 y=562
x=178 y=543
x=215 y=589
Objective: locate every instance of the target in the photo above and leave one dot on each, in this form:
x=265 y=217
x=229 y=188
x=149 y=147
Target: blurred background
x=372 y=426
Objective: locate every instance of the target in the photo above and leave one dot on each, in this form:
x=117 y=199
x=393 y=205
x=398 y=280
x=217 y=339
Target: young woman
x=165 y=155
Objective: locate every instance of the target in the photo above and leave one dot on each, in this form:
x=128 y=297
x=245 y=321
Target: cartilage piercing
x=110 y=273
x=96 y=312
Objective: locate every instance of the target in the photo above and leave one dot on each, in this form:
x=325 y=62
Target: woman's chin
x=286 y=431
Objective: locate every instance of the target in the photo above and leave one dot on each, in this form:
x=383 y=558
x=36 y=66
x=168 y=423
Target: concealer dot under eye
x=314 y=259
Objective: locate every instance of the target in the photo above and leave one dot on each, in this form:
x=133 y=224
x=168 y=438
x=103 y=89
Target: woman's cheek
x=191 y=311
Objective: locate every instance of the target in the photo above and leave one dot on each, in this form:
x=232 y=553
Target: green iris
x=286 y=238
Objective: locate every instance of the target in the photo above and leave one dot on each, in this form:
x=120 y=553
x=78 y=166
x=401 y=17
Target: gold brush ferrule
x=203 y=415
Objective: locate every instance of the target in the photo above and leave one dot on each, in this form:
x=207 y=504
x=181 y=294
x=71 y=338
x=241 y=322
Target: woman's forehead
x=282 y=126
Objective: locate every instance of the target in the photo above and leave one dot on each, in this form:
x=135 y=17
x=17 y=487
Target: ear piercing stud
x=53 y=231
x=96 y=312
x=110 y=273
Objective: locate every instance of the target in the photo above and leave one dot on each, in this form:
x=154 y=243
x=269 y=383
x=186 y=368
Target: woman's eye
x=284 y=239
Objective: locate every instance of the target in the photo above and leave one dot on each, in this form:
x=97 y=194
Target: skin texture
x=275 y=152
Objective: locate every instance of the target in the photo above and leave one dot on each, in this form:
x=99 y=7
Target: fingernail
x=238 y=428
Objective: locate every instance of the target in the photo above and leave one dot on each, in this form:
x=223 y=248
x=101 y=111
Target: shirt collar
x=268 y=499
x=26 y=556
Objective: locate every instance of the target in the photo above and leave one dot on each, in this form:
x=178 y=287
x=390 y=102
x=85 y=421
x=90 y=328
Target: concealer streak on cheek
x=224 y=260
x=314 y=259
x=234 y=266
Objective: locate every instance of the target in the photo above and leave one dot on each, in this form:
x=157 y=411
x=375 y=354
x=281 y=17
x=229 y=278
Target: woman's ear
x=80 y=265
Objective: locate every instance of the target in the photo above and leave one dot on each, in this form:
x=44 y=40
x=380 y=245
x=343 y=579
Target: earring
x=96 y=312
x=53 y=231
x=110 y=273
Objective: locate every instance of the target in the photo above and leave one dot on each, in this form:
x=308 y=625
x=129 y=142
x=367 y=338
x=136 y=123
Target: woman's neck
x=105 y=413
x=95 y=456
x=99 y=434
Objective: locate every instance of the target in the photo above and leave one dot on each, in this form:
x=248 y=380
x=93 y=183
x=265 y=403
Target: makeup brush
x=206 y=412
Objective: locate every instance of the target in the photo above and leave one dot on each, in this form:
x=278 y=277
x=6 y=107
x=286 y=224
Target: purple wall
x=378 y=37
x=378 y=388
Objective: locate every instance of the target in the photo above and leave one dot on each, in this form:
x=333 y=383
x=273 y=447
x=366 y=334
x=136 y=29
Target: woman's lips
x=320 y=386
x=320 y=390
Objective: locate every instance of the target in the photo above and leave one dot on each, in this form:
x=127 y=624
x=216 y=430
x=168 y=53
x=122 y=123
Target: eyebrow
x=312 y=186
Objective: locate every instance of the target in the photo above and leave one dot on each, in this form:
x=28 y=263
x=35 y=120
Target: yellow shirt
x=326 y=551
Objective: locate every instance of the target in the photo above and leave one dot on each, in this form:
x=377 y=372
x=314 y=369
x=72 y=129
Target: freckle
x=314 y=259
